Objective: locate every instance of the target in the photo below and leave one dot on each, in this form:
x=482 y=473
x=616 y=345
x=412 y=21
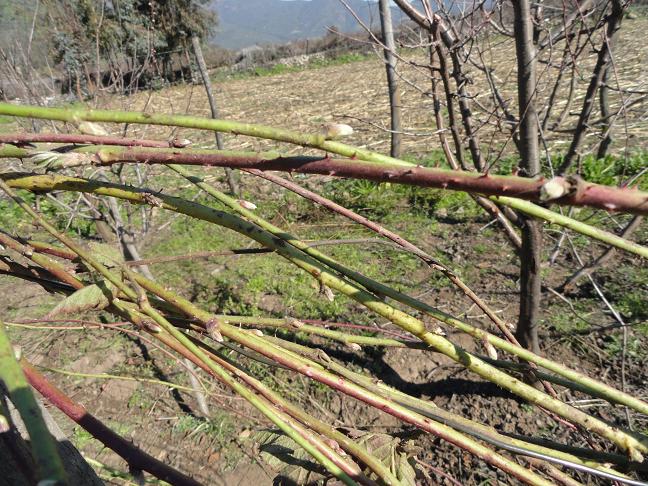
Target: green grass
x=387 y=201
x=562 y=319
x=611 y=170
x=626 y=286
x=268 y=284
x=615 y=170
x=81 y=438
x=613 y=345
x=14 y=218
x=280 y=68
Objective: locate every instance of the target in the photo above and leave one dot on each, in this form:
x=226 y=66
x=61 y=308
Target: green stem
x=471 y=427
x=303 y=438
x=598 y=388
x=282 y=352
x=45 y=262
x=332 y=334
x=582 y=382
x=108 y=376
x=323 y=428
x=314 y=371
x=368 y=459
x=82 y=253
x=43 y=445
x=259 y=131
x=634 y=445
x=555 y=218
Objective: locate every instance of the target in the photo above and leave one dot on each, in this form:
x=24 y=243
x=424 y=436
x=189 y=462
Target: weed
x=626 y=287
x=139 y=399
x=340 y=60
x=614 y=346
x=219 y=426
x=528 y=408
x=81 y=438
x=280 y=68
x=370 y=198
x=481 y=248
x=612 y=170
x=564 y=320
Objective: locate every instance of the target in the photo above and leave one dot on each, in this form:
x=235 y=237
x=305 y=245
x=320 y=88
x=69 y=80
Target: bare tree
x=599 y=74
x=392 y=81
x=486 y=111
x=530 y=253
x=202 y=66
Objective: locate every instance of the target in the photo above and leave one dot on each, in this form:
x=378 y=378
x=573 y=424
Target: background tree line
x=102 y=43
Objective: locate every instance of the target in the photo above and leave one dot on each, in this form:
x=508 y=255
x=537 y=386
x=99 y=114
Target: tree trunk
x=392 y=82
x=202 y=67
x=530 y=253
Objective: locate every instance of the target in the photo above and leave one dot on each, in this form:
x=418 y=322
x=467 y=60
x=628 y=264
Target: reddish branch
x=20 y=139
x=577 y=192
x=135 y=457
x=399 y=240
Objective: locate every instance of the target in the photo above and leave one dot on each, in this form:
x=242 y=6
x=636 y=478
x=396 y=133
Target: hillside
x=275 y=21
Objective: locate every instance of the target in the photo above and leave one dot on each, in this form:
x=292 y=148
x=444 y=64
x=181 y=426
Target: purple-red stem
x=135 y=457
x=581 y=193
x=20 y=139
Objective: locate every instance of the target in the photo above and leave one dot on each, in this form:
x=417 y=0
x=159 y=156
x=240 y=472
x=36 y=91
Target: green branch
x=572 y=224
x=635 y=445
x=43 y=445
x=55 y=182
x=76 y=115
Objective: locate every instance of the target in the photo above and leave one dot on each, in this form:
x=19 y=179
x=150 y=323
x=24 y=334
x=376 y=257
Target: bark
x=22 y=139
x=604 y=103
x=530 y=253
x=136 y=458
x=202 y=67
x=444 y=38
x=452 y=119
x=571 y=191
x=392 y=82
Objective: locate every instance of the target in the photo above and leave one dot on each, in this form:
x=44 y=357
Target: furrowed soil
x=124 y=379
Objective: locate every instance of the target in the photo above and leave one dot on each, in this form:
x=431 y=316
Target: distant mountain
x=247 y=22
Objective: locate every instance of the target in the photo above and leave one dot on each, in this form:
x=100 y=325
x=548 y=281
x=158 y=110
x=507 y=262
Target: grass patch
x=613 y=345
x=81 y=438
x=281 y=68
x=626 y=286
x=15 y=218
x=564 y=320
